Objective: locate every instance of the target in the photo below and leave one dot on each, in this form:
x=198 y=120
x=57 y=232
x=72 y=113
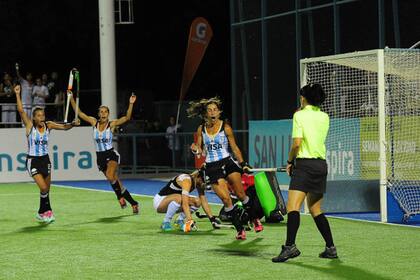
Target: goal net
x=373 y=100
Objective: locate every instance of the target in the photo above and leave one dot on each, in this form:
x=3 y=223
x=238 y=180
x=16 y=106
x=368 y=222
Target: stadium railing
x=54 y=112
x=149 y=152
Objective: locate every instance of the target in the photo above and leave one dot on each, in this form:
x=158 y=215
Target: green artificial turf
x=92 y=238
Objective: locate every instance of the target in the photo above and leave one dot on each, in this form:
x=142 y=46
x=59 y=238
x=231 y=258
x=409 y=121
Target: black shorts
x=38 y=165
x=309 y=176
x=102 y=159
x=221 y=169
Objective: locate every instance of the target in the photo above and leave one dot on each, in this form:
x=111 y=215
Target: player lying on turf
x=176 y=197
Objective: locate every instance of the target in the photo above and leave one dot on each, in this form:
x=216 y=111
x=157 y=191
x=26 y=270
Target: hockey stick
x=202 y=216
x=77 y=78
x=272 y=169
x=69 y=94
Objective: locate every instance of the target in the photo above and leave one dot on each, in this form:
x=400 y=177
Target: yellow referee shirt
x=312 y=125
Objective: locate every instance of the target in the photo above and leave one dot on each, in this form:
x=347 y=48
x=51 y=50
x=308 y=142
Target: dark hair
x=199 y=108
x=36 y=109
x=313 y=93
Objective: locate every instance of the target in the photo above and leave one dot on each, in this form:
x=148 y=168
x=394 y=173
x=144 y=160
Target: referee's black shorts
x=102 y=158
x=309 y=176
x=221 y=169
x=38 y=165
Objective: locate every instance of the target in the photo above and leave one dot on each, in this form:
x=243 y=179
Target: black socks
x=293 y=221
x=44 y=202
x=324 y=228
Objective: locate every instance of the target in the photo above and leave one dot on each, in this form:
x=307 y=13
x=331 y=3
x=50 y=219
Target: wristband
x=184 y=192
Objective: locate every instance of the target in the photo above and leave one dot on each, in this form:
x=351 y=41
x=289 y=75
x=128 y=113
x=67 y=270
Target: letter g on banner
x=200 y=30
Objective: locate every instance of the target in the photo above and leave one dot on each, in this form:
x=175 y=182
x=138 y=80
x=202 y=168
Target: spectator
x=40 y=93
x=157 y=127
x=26 y=88
x=56 y=95
x=8 y=112
x=44 y=79
x=174 y=144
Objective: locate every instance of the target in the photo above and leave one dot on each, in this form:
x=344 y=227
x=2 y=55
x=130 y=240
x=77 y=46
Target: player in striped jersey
x=107 y=158
x=175 y=195
x=38 y=162
x=216 y=137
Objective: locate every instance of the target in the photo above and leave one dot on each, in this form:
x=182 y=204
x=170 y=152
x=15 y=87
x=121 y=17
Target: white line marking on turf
x=215 y=203
x=96 y=190
x=11 y=194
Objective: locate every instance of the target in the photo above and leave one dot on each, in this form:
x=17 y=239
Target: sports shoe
x=50 y=216
x=241 y=235
x=122 y=202
x=287 y=252
x=179 y=224
x=258 y=227
x=46 y=217
x=329 y=253
x=135 y=209
x=166 y=226
x=41 y=217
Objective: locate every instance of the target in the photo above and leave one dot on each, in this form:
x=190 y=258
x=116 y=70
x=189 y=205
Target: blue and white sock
x=173 y=207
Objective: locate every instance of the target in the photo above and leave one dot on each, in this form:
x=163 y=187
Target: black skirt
x=309 y=176
x=38 y=165
x=102 y=159
x=221 y=169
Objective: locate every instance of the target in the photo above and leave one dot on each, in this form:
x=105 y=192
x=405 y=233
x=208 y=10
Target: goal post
x=373 y=100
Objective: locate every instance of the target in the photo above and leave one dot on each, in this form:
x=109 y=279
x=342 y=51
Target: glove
x=215 y=222
x=245 y=167
x=189 y=226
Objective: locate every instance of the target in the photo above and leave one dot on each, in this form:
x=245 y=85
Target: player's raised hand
x=133 y=98
x=17 y=89
x=76 y=122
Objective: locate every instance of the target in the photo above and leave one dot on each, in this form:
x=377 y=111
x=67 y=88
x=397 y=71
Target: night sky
x=45 y=36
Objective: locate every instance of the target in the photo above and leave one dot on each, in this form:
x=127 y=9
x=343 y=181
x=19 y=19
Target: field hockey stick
x=77 y=78
x=203 y=216
x=69 y=94
x=272 y=169
x=219 y=226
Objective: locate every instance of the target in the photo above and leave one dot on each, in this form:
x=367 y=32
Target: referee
x=308 y=170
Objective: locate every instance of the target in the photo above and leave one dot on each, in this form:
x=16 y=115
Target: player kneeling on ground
x=176 y=194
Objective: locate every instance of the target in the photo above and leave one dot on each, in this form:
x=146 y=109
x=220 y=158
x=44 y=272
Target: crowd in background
x=48 y=91
x=43 y=90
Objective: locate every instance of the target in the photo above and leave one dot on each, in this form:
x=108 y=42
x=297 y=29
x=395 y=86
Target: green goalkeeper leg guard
x=269 y=194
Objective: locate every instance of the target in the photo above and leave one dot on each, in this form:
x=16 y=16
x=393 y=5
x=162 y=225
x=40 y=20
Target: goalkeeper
x=308 y=170
x=175 y=197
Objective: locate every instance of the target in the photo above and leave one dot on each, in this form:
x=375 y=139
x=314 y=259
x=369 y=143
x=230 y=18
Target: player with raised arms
x=37 y=161
x=176 y=196
x=107 y=158
x=214 y=139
